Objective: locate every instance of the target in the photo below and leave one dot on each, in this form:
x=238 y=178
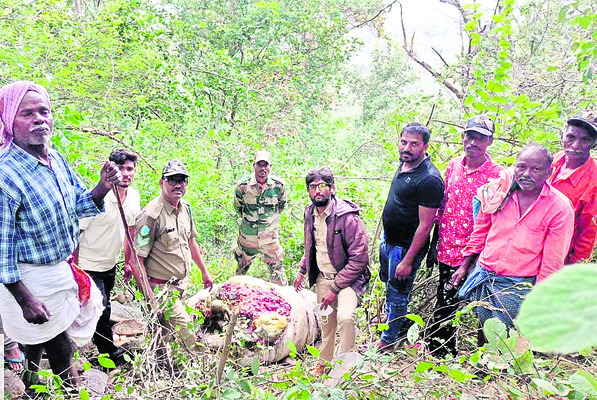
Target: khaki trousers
x=341 y=319
x=178 y=318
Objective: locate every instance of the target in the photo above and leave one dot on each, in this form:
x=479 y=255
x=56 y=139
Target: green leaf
x=245 y=385
x=39 y=388
x=495 y=332
x=558 y=315
x=292 y=348
x=231 y=394
x=415 y=318
x=584 y=382
x=383 y=327
x=83 y=394
x=105 y=361
x=412 y=335
x=423 y=366
x=460 y=376
x=544 y=385
x=313 y=351
x=255 y=366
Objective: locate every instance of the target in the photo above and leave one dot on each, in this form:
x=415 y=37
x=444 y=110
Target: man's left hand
x=110 y=175
x=328 y=298
x=403 y=270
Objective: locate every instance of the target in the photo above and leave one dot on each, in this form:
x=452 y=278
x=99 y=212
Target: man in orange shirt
x=574 y=173
x=518 y=240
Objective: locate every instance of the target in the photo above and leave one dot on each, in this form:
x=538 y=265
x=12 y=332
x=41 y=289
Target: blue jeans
x=397 y=291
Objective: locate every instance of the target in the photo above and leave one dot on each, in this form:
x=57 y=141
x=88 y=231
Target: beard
x=321 y=203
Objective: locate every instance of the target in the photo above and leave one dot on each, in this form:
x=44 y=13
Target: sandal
x=15 y=365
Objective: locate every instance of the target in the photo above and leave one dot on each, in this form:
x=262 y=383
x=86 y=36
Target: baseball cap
x=481 y=124
x=587 y=120
x=263 y=155
x=174 y=167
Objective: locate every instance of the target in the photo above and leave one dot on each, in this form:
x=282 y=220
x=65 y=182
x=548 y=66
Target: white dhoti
x=54 y=286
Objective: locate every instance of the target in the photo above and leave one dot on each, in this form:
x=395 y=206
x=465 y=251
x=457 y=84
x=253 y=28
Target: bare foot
x=14 y=358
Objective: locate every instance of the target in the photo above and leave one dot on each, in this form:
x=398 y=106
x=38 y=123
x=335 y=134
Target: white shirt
x=102 y=235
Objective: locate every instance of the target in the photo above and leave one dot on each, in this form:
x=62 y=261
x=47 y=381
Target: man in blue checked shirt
x=41 y=200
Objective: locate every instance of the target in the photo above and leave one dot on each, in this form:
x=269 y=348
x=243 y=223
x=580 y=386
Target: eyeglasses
x=322 y=186
x=175 y=180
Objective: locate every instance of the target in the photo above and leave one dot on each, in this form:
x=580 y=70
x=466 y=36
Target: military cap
x=174 y=167
x=263 y=155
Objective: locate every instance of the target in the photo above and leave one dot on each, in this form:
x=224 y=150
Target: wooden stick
x=226 y=348
x=138 y=271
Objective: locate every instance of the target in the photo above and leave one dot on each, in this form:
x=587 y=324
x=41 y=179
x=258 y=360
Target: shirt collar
x=422 y=165
x=169 y=207
x=486 y=164
x=578 y=174
x=253 y=180
x=27 y=159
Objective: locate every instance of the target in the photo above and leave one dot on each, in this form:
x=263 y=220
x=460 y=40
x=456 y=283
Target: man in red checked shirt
x=574 y=173
x=465 y=174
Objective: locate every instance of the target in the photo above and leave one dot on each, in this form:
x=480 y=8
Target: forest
x=212 y=82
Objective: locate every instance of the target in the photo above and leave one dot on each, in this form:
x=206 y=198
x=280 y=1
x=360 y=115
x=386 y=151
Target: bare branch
x=430 y=115
x=435 y=74
x=111 y=135
x=386 y=9
x=440 y=57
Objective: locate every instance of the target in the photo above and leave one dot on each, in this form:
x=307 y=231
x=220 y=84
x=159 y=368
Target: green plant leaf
x=105 y=361
x=558 y=315
x=255 y=366
x=460 y=376
x=423 y=366
x=292 y=348
x=544 y=385
x=495 y=332
x=584 y=382
x=231 y=394
x=313 y=351
x=83 y=394
x=415 y=318
x=412 y=335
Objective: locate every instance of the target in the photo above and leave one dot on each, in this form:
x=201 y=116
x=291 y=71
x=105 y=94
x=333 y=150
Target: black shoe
x=118 y=357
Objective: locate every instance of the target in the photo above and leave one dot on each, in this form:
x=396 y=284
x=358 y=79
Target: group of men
x=59 y=242
x=497 y=231
x=530 y=221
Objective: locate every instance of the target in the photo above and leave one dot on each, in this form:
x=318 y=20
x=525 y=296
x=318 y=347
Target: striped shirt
x=40 y=207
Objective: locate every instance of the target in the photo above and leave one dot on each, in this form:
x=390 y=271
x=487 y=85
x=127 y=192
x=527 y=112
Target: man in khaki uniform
x=259 y=199
x=166 y=244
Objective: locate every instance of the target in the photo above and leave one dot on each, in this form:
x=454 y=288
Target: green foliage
x=557 y=315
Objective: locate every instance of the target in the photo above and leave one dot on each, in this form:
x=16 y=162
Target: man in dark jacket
x=335 y=259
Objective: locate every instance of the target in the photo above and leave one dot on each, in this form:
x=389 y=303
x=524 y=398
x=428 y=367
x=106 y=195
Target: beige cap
x=263 y=155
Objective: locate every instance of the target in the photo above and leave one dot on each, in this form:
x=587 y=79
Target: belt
x=328 y=275
x=156 y=281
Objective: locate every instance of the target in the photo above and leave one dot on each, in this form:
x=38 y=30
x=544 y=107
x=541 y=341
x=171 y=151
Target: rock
x=213 y=341
x=95 y=382
x=122 y=312
x=341 y=365
x=13 y=385
x=130 y=327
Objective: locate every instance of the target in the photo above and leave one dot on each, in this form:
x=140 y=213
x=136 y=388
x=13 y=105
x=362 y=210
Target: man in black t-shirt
x=415 y=195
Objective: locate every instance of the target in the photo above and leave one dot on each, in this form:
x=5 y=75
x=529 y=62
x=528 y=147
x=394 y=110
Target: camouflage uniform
x=259 y=212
